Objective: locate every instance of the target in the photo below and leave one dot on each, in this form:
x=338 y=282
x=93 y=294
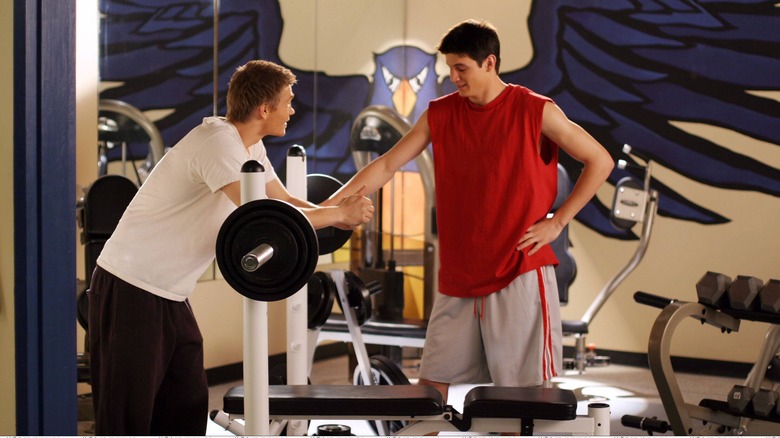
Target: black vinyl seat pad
x=348 y=400
x=574 y=327
x=403 y=401
x=533 y=403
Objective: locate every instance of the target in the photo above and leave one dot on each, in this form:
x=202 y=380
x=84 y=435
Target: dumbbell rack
x=716 y=417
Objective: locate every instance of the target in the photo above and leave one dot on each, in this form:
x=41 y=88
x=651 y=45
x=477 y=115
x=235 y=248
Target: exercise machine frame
x=631 y=205
x=714 y=416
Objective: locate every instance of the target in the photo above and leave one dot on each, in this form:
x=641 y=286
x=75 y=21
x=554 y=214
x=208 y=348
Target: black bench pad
x=346 y=400
x=534 y=403
x=574 y=327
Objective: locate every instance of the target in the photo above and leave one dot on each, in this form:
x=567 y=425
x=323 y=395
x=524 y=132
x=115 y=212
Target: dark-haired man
x=495 y=147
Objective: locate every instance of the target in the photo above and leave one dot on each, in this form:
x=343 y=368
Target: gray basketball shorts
x=512 y=337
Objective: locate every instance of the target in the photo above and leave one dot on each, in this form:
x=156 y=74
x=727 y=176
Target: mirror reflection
x=127 y=138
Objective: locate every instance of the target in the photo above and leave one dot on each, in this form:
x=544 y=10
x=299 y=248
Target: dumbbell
x=711 y=288
x=770 y=296
x=739 y=398
x=765 y=402
x=743 y=292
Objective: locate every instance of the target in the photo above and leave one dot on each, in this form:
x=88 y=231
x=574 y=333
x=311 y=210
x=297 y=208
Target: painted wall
x=680 y=251
x=7 y=367
x=316 y=37
x=341 y=42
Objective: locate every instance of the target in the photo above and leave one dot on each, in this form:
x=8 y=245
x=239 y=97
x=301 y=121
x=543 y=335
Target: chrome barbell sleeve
x=256 y=258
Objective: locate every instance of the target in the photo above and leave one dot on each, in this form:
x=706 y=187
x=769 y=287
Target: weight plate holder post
x=266 y=250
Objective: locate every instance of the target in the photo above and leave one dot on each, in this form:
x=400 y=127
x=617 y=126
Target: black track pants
x=146 y=360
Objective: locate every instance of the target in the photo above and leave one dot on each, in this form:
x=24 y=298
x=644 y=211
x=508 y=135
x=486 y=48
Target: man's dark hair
x=472 y=38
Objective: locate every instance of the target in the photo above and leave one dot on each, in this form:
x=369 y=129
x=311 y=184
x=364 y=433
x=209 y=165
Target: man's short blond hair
x=253 y=84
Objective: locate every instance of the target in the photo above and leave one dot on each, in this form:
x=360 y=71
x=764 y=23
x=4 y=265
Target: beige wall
x=678 y=256
x=7 y=368
x=87 y=79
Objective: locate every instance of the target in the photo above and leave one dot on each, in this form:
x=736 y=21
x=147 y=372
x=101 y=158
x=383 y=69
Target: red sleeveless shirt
x=492 y=183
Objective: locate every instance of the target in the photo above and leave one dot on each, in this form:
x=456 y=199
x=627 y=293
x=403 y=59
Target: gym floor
x=628 y=390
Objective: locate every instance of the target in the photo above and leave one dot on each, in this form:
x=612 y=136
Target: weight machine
x=634 y=202
x=125 y=134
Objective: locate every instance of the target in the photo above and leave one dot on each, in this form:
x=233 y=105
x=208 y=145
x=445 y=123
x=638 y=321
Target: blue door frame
x=44 y=216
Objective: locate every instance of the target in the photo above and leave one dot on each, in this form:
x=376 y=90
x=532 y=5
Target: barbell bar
x=252 y=261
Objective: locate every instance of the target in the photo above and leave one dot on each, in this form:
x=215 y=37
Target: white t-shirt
x=166 y=238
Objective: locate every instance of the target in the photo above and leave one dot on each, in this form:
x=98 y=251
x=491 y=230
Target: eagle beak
x=404 y=98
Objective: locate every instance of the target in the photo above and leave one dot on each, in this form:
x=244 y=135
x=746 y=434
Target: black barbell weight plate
x=358 y=297
x=390 y=373
x=319 y=187
x=280 y=225
x=385 y=372
x=321 y=294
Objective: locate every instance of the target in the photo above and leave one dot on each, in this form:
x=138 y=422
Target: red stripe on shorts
x=548 y=365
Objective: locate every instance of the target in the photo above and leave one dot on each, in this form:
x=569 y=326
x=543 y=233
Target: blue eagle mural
x=622 y=69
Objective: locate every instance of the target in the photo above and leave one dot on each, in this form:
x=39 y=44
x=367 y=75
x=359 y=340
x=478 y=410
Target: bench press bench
x=485 y=408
